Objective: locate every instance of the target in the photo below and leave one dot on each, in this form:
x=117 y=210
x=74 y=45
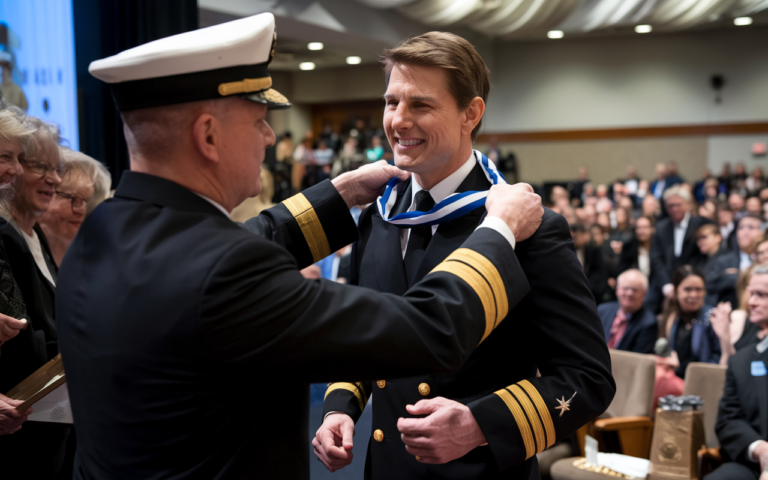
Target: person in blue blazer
x=627 y=324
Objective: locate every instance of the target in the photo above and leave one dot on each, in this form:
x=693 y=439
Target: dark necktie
x=419 y=238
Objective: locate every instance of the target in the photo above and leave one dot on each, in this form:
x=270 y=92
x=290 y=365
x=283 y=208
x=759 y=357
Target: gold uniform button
x=381 y=383
x=378 y=435
x=418 y=457
x=424 y=389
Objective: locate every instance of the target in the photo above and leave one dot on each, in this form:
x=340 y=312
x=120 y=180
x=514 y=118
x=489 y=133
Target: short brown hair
x=708 y=229
x=468 y=77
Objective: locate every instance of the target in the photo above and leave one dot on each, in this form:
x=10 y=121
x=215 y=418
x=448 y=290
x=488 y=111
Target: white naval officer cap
x=209 y=63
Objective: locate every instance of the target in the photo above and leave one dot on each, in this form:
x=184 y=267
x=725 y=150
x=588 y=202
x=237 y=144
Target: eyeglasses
x=42 y=168
x=74 y=200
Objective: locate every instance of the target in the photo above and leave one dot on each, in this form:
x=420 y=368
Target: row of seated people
x=45 y=193
x=696 y=332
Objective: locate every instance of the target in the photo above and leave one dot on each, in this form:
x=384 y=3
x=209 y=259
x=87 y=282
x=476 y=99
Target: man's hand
x=10 y=418
x=720 y=318
x=449 y=432
x=518 y=206
x=761 y=455
x=333 y=441
x=10 y=327
x=362 y=186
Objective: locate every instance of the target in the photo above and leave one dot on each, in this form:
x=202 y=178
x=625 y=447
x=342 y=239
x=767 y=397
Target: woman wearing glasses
x=86 y=185
x=34 y=451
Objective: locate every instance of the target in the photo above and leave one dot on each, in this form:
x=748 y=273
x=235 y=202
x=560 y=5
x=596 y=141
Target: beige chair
x=707 y=381
x=629 y=414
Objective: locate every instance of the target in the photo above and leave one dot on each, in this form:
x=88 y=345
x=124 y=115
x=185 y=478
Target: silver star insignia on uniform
x=565 y=405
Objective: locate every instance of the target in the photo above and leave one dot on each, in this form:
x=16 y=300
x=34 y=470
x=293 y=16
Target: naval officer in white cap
x=181 y=330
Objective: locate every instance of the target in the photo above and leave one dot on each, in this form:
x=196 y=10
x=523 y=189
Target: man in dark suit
x=489 y=418
x=179 y=328
x=674 y=243
x=742 y=419
x=627 y=324
x=592 y=263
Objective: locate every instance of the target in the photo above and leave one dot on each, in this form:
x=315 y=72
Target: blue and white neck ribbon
x=453 y=206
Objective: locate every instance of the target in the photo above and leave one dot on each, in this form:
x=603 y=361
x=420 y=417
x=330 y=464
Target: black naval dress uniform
x=555 y=329
x=180 y=329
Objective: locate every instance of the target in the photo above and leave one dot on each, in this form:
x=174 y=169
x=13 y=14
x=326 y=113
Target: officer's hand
x=449 y=432
x=333 y=441
x=362 y=186
x=518 y=206
x=10 y=327
x=10 y=418
x=761 y=455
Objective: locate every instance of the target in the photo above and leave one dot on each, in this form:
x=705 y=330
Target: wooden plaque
x=36 y=386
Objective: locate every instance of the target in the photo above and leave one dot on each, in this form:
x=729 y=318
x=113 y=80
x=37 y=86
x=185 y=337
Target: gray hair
x=678 y=191
x=92 y=170
x=634 y=271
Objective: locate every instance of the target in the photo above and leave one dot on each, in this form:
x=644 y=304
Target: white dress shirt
x=680 y=234
x=745 y=261
x=441 y=191
x=215 y=204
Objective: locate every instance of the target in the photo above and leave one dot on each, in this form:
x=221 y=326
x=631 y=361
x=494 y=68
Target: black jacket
x=181 y=331
x=742 y=417
x=555 y=329
x=642 y=329
x=721 y=271
x=34 y=346
x=663 y=260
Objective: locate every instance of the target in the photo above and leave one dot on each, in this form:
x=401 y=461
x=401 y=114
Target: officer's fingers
x=414 y=426
x=524 y=186
x=337 y=456
x=347 y=434
x=424 y=407
x=323 y=460
x=326 y=438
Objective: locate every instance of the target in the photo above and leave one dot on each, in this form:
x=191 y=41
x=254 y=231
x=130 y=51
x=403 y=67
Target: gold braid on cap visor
x=245 y=86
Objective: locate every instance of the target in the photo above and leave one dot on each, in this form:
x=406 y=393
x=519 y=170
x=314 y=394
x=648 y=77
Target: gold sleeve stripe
x=546 y=418
x=522 y=422
x=491 y=275
x=350 y=387
x=533 y=418
x=310 y=225
x=478 y=284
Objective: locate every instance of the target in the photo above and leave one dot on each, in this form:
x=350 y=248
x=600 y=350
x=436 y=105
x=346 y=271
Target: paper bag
x=677 y=437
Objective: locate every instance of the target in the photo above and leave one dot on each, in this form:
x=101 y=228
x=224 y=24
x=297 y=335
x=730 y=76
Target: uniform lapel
x=450 y=235
x=385 y=242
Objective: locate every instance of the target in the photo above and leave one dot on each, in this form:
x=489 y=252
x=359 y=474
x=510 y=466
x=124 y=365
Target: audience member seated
x=635 y=253
x=741 y=424
x=736 y=202
x=674 y=243
x=35 y=451
x=375 y=152
x=650 y=207
x=721 y=268
x=688 y=331
x=85 y=186
x=591 y=261
x=748 y=234
x=626 y=323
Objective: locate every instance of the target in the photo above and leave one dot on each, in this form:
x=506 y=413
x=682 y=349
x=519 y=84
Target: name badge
x=758 y=369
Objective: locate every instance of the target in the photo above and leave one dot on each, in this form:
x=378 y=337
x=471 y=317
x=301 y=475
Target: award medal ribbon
x=451 y=207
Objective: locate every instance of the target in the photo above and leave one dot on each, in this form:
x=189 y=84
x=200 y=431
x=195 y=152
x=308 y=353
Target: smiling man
x=489 y=418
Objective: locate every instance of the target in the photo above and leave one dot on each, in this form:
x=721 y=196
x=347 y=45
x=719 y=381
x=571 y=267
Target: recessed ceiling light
x=555 y=34
x=315 y=45
x=307 y=66
x=741 y=21
x=353 y=60
x=643 y=29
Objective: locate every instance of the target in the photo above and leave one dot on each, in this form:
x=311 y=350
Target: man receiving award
x=488 y=418
x=180 y=329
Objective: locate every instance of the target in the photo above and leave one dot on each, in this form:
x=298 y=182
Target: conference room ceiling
x=363 y=28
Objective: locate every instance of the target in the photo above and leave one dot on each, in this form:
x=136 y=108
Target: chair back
x=707 y=381
x=635 y=375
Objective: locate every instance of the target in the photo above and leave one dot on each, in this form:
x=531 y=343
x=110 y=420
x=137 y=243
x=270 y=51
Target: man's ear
x=472 y=115
x=205 y=136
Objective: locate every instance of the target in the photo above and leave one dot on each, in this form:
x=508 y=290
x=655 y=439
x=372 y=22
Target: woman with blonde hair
x=85 y=186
